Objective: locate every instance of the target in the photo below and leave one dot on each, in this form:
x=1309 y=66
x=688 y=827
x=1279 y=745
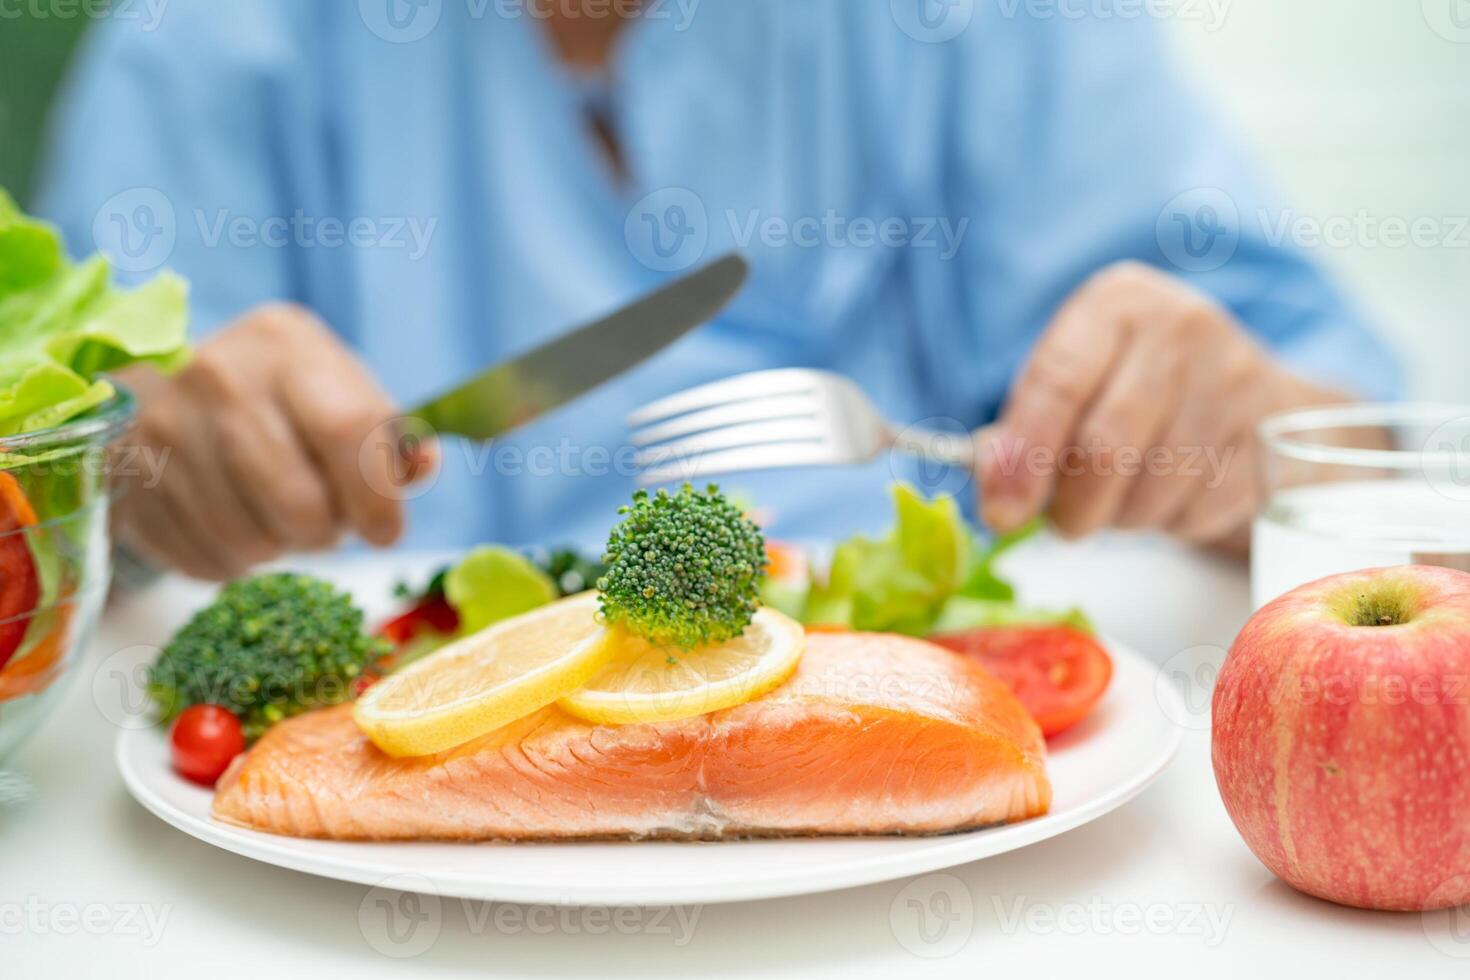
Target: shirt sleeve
x=166 y=150
x=1078 y=144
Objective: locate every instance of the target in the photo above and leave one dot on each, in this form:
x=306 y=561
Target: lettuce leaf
x=929 y=574
x=899 y=583
x=62 y=324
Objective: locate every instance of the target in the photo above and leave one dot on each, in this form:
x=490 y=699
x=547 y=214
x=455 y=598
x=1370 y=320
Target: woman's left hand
x=1137 y=409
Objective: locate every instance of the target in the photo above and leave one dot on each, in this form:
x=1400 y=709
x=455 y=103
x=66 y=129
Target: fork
x=772 y=419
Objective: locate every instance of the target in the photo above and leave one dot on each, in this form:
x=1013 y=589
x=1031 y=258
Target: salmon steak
x=873 y=734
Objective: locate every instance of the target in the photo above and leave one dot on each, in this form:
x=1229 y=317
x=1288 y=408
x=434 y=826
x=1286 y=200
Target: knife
x=514 y=392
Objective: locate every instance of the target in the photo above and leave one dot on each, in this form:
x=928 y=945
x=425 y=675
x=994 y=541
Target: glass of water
x=1360 y=486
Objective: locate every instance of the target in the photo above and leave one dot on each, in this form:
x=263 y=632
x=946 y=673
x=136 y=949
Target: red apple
x=1342 y=737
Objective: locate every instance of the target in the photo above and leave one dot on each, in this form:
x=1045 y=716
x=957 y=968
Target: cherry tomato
x=1056 y=672
x=20 y=588
x=204 y=739
x=435 y=613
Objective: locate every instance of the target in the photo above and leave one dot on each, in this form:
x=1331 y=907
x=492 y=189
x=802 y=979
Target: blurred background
x=1361 y=113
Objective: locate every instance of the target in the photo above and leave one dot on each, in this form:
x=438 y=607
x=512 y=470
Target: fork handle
x=953 y=448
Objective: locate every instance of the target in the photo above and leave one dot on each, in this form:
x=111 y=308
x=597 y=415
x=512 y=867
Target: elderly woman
x=1008 y=216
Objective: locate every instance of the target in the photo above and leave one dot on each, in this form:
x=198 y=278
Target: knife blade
x=516 y=391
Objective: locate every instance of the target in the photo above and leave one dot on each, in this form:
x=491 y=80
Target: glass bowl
x=57 y=487
x=1360 y=486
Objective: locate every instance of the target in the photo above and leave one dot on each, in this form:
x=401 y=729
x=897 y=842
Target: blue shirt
x=917 y=185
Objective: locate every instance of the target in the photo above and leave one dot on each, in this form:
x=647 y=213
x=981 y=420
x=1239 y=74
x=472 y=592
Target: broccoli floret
x=267 y=648
x=682 y=569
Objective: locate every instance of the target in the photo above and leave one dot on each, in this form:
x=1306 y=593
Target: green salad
x=63 y=325
x=930 y=574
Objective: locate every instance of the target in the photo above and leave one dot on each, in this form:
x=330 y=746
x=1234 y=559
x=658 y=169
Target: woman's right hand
x=260 y=446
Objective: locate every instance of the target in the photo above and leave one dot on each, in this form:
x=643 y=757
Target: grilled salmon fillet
x=874 y=734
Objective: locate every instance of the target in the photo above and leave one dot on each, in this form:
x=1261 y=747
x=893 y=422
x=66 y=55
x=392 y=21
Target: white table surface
x=93 y=885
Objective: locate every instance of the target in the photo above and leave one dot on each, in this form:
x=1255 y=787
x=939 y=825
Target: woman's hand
x=1137 y=409
x=259 y=443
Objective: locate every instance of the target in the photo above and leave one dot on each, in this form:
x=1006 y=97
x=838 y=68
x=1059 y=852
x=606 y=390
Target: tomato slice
x=20 y=588
x=1056 y=672
x=41 y=665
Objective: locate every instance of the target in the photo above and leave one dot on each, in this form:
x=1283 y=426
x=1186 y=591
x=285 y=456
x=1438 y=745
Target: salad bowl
x=56 y=493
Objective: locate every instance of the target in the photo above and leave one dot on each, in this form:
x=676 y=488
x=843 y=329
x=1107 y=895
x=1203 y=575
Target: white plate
x=1095 y=768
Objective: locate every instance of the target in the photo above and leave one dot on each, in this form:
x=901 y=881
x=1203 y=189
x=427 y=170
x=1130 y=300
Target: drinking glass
x=1360 y=486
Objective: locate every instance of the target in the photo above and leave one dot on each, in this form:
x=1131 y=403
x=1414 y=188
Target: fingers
x=261 y=435
x=1111 y=441
x=263 y=456
x=1066 y=370
x=334 y=411
x=152 y=530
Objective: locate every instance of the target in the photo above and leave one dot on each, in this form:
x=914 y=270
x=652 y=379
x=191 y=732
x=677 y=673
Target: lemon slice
x=643 y=682
x=486 y=680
